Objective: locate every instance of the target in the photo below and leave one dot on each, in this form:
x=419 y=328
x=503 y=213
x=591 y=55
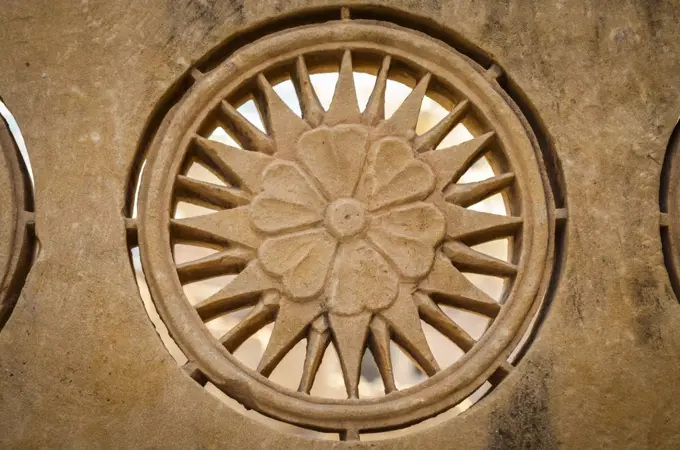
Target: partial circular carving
x=669 y=197
x=16 y=245
x=343 y=225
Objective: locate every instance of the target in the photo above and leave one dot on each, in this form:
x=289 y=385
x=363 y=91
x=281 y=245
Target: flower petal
x=407 y=235
x=301 y=260
x=288 y=200
x=393 y=176
x=361 y=279
x=335 y=156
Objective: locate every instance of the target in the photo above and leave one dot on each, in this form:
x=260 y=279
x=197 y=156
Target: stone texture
x=80 y=363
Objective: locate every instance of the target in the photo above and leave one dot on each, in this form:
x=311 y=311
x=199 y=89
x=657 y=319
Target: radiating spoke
x=262 y=314
x=433 y=137
x=281 y=122
x=292 y=321
x=247 y=134
x=241 y=292
x=344 y=106
x=375 y=108
x=223 y=227
x=318 y=338
x=448 y=286
x=474 y=227
x=403 y=122
x=433 y=315
x=240 y=167
x=379 y=342
x=469 y=260
x=349 y=334
x=229 y=261
x=310 y=105
x=408 y=331
x=209 y=194
x=470 y=193
x=452 y=162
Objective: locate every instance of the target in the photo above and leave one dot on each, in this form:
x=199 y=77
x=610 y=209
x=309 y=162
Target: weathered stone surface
x=80 y=363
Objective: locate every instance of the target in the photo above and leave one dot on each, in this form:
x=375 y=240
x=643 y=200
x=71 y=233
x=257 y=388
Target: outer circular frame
x=399 y=409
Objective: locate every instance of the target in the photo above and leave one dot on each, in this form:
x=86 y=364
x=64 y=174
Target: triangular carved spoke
x=452 y=162
x=404 y=120
x=435 y=317
x=344 y=106
x=247 y=134
x=312 y=111
x=241 y=292
x=448 y=286
x=474 y=227
x=349 y=335
x=229 y=261
x=262 y=314
x=379 y=342
x=292 y=320
x=318 y=338
x=433 y=137
x=209 y=194
x=238 y=167
x=469 y=260
x=229 y=226
x=281 y=122
x=375 y=108
x=407 y=331
x=470 y=193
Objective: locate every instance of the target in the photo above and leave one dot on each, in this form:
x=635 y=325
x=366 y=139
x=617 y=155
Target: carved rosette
x=328 y=226
x=344 y=227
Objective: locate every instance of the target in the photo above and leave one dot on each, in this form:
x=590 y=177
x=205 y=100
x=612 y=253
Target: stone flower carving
x=345 y=223
x=343 y=227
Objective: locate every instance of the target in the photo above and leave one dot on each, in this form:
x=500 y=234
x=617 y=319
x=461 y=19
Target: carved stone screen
x=310 y=225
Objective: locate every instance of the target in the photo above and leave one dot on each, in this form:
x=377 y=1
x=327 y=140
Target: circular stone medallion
x=343 y=225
